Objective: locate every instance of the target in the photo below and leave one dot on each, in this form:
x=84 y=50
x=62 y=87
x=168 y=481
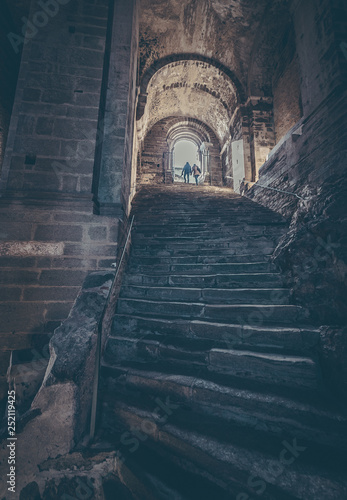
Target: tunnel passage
x=157 y=163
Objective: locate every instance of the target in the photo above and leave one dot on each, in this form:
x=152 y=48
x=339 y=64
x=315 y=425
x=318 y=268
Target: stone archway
x=156 y=165
x=198 y=135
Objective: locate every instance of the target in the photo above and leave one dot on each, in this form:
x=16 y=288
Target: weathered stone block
x=58 y=233
x=10 y=293
x=15 y=231
x=17 y=261
x=47 y=294
x=20 y=316
x=62 y=278
x=91 y=250
x=18 y=277
x=31 y=94
x=44 y=126
x=98 y=233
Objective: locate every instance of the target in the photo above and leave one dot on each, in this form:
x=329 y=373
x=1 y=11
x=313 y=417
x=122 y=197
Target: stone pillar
x=112 y=175
x=261 y=129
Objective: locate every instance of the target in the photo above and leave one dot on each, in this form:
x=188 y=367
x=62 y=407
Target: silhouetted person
x=196 y=172
x=187 y=169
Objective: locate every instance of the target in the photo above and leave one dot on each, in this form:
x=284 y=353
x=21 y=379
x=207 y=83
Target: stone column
x=112 y=175
x=261 y=128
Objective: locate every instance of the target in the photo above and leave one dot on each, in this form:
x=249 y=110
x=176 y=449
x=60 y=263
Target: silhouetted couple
x=194 y=170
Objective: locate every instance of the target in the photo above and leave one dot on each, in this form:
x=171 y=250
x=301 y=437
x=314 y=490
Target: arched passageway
x=185 y=150
x=157 y=159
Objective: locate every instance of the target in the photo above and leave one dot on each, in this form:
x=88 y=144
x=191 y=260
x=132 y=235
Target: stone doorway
x=185 y=151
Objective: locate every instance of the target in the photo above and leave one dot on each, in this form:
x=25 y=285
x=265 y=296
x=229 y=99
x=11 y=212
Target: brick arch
x=188 y=128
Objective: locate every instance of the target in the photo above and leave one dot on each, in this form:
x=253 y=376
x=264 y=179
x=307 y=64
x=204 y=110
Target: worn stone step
x=200 y=247
x=203 y=239
x=285 y=370
x=147 y=258
x=269 y=413
x=213 y=232
x=230 y=464
x=254 y=315
x=148 y=213
x=278 y=369
x=236 y=253
x=209 y=295
x=242 y=280
x=237 y=335
x=149 y=476
x=232 y=225
x=229 y=268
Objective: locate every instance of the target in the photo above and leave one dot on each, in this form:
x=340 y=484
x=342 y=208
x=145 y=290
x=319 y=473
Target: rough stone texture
x=287 y=100
x=250 y=75
x=313 y=253
x=114 y=177
x=10 y=22
x=56 y=105
x=205 y=28
x=63 y=402
x=60 y=247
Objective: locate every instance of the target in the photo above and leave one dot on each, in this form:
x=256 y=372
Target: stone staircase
x=211 y=384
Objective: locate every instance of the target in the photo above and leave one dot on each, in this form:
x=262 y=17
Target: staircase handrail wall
x=104 y=326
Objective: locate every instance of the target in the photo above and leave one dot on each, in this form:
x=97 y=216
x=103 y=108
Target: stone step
x=236 y=232
x=272 y=414
x=202 y=238
x=231 y=224
x=229 y=268
x=147 y=258
x=209 y=295
x=200 y=247
x=233 y=412
x=270 y=368
x=239 y=254
x=254 y=315
x=219 y=213
x=277 y=338
x=149 y=476
x=242 y=280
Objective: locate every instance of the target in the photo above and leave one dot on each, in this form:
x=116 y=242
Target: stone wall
x=10 y=61
x=310 y=164
x=51 y=144
x=49 y=237
x=155 y=145
x=61 y=411
x=286 y=86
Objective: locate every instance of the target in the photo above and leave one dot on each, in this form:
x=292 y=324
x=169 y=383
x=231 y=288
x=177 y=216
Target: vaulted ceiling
x=202 y=58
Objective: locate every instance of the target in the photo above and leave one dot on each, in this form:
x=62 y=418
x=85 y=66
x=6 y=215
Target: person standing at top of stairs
x=196 y=172
x=187 y=170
